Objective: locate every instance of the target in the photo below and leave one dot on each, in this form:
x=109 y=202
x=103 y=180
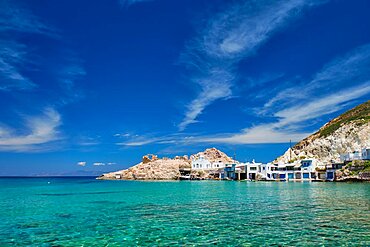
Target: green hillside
x=360 y=114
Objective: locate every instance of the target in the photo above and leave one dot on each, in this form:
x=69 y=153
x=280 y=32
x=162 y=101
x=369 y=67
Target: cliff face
x=346 y=133
x=154 y=168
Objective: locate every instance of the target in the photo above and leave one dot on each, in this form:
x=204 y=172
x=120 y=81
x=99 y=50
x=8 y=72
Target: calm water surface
x=87 y=212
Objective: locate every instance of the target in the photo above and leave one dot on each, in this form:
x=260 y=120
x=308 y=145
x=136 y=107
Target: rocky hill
x=346 y=133
x=213 y=155
x=153 y=168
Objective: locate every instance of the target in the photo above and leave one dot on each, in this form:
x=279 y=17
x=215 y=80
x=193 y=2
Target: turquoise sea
x=89 y=212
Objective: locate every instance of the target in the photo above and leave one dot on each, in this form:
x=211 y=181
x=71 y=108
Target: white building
x=308 y=169
x=266 y=171
x=202 y=163
x=252 y=169
x=355 y=155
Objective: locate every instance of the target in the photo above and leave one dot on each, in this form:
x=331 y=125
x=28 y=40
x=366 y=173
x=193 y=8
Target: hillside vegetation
x=360 y=114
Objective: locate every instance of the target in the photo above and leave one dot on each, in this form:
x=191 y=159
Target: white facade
x=202 y=163
x=252 y=169
x=266 y=171
x=304 y=170
x=356 y=155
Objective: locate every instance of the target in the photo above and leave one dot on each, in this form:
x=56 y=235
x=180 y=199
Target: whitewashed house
x=308 y=169
x=355 y=155
x=252 y=169
x=266 y=171
x=201 y=163
x=218 y=165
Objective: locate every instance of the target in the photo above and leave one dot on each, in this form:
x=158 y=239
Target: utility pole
x=290 y=151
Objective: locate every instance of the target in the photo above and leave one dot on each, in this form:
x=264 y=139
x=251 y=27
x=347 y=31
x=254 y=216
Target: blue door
x=330 y=175
x=306 y=175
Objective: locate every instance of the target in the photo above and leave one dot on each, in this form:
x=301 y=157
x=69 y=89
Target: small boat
x=185 y=177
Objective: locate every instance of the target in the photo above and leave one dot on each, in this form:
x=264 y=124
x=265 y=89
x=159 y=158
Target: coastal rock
x=154 y=168
x=157 y=169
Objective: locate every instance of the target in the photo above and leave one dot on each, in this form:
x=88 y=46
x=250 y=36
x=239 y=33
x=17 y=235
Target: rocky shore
x=152 y=168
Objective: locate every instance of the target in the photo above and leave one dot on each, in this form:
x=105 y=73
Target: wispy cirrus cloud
x=341 y=81
x=17 y=57
x=350 y=69
x=127 y=3
x=21 y=69
x=37 y=130
x=290 y=120
x=14 y=55
x=233 y=35
x=334 y=88
x=15 y=18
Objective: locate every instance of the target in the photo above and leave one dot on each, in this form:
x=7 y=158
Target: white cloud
x=98 y=164
x=122 y=135
x=232 y=36
x=139 y=141
x=39 y=130
x=288 y=126
x=81 y=163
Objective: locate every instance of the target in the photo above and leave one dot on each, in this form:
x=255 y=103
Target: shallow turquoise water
x=86 y=212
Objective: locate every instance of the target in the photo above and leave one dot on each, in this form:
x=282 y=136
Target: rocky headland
x=153 y=168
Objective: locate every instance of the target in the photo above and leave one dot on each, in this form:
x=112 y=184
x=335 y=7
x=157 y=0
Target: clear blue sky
x=91 y=86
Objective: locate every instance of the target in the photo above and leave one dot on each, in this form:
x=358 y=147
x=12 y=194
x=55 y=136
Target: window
x=306 y=175
x=253 y=168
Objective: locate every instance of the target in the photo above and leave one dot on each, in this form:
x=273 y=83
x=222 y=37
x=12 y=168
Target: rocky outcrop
x=213 y=155
x=152 y=168
x=346 y=133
